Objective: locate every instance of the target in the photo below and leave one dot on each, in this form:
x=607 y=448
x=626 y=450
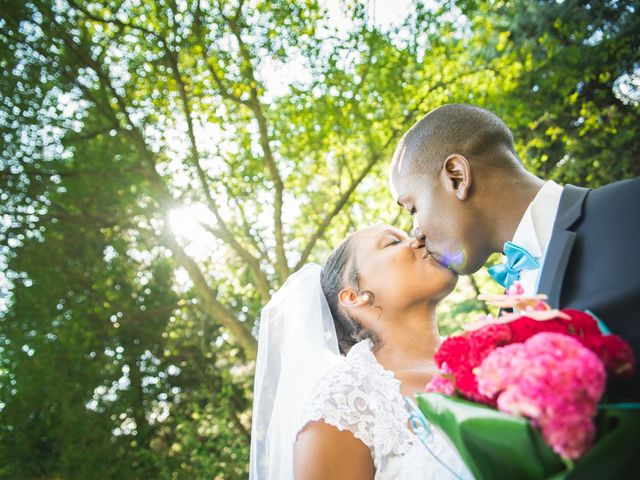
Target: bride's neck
x=409 y=340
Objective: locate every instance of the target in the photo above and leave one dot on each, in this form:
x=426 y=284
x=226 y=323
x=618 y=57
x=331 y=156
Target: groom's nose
x=418 y=242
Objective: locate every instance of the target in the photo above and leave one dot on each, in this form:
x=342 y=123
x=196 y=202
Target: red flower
x=467 y=385
x=581 y=323
x=524 y=328
x=455 y=351
x=460 y=355
x=486 y=339
x=614 y=352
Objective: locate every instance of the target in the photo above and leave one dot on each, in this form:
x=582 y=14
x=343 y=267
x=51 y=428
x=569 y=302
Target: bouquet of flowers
x=545 y=372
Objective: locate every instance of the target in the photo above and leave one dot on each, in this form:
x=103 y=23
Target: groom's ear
x=457 y=175
x=349 y=298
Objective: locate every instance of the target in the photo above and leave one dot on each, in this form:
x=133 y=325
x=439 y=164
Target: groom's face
x=422 y=200
x=441 y=222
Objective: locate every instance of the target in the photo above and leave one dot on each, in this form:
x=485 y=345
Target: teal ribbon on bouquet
x=517 y=259
x=423 y=431
x=498 y=446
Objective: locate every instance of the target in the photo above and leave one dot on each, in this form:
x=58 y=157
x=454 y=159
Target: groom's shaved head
x=473 y=132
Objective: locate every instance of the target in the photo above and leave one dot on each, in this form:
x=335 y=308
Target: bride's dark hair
x=340 y=271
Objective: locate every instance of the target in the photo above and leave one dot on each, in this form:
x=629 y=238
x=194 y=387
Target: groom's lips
x=436 y=258
x=427 y=252
x=430 y=256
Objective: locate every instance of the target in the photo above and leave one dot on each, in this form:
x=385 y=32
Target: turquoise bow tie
x=518 y=259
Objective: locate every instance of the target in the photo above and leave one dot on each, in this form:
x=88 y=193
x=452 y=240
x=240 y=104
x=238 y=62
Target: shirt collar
x=534 y=231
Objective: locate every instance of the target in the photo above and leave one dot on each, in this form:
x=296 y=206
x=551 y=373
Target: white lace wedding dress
x=359 y=395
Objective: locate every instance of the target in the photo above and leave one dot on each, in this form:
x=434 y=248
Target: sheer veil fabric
x=297 y=345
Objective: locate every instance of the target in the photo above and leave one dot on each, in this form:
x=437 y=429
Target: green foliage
x=166 y=165
x=576 y=118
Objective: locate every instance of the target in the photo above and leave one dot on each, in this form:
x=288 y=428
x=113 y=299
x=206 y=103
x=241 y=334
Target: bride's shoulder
x=359 y=370
x=354 y=393
x=342 y=396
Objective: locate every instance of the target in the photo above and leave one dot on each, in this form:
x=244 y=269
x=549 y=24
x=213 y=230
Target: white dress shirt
x=534 y=231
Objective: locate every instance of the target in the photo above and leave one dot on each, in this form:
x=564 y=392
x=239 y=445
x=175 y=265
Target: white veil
x=296 y=346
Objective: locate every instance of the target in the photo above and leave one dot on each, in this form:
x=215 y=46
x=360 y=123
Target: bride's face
x=399 y=275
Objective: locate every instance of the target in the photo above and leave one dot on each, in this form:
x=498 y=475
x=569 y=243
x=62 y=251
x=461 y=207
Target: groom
x=456 y=171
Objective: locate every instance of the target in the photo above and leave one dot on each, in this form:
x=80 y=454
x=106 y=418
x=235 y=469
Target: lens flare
x=453 y=260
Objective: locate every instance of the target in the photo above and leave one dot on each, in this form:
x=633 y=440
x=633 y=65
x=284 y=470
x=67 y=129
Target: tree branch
x=113 y=21
x=224 y=232
x=259 y=242
x=261 y=282
x=254 y=104
x=240 y=331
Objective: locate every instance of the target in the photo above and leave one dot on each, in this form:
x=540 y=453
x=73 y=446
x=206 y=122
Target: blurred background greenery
x=166 y=164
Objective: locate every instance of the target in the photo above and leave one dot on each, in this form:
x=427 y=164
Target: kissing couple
x=342 y=344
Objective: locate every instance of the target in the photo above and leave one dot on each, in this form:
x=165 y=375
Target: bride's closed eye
x=389 y=237
x=395 y=239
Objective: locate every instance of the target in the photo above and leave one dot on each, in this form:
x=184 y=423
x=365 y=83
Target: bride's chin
x=450 y=283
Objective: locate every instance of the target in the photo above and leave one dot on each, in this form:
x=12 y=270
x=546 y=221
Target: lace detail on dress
x=359 y=395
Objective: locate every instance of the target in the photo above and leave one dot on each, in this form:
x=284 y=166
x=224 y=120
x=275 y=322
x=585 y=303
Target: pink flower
x=551 y=379
x=515 y=289
x=441 y=384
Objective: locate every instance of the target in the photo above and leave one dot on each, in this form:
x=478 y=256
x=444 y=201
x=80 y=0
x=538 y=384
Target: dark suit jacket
x=593 y=261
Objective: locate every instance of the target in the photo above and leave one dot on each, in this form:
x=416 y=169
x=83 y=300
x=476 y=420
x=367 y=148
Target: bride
x=339 y=348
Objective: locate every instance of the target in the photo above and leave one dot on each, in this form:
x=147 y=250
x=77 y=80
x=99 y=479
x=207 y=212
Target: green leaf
x=498 y=446
x=493 y=445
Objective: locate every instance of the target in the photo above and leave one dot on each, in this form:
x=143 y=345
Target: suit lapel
x=561 y=243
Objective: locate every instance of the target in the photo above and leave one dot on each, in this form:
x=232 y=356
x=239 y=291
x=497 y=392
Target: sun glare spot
x=189 y=224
